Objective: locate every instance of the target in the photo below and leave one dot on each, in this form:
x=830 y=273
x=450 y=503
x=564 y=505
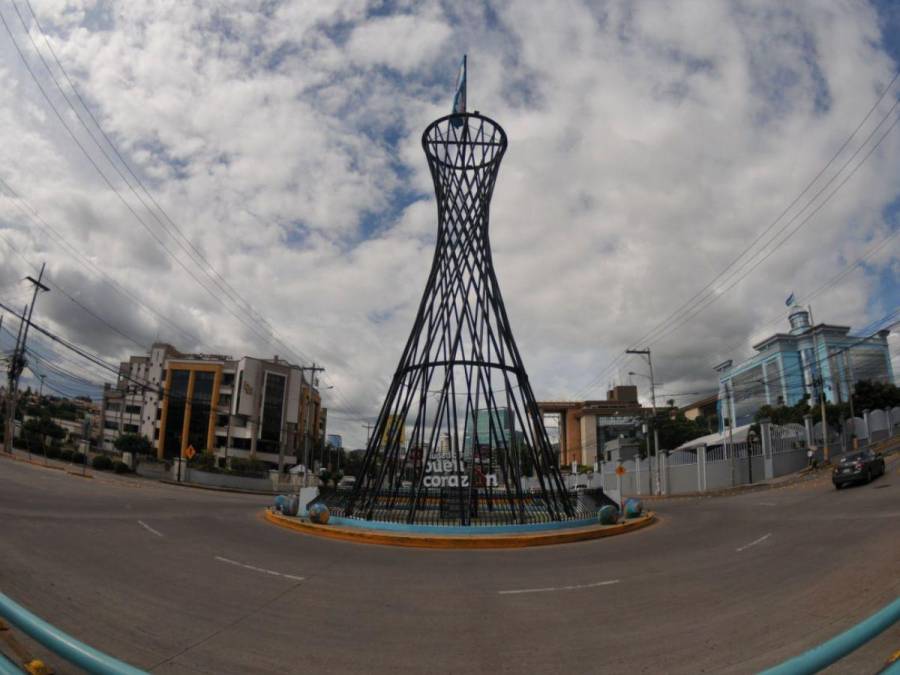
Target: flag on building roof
x=790 y=300
x=459 y=99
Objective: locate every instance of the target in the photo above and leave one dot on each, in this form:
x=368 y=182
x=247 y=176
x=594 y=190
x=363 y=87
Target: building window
x=176 y=410
x=131 y=428
x=272 y=413
x=115 y=407
x=198 y=427
x=227 y=379
x=221 y=420
x=111 y=425
x=156 y=434
x=240 y=443
x=133 y=409
x=221 y=441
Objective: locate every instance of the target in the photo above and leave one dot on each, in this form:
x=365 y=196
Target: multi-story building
x=806 y=362
x=586 y=426
x=249 y=407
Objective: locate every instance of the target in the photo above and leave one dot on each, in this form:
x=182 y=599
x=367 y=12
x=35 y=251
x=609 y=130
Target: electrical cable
x=725 y=270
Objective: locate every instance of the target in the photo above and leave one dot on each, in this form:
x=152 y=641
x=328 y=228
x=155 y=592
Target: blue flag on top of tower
x=790 y=300
x=459 y=99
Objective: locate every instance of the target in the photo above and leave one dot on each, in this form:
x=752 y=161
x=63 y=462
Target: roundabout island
x=316 y=519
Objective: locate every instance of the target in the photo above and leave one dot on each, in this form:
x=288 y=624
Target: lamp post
x=646 y=352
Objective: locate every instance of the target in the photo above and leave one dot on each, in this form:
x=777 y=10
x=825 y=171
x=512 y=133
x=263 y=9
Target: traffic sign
x=189 y=452
x=620 y=470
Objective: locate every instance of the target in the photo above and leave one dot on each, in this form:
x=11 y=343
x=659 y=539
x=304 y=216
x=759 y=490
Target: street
x=177 y=580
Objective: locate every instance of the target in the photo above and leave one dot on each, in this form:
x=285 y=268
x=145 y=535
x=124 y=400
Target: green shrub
x=53 y=452
x=120 y=467
x=249 y=467
x=78 y=458
x=102 y=463
x=134 y=443
x=66 y=455
x=205 y=461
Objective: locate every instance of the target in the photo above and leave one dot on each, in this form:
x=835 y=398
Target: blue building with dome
x=789 y=367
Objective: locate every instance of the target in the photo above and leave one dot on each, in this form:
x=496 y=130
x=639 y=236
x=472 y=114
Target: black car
x=858 y=467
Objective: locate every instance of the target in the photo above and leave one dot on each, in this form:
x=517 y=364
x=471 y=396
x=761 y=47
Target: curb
x=33 y=462
x=495 y=541
x=198 y=486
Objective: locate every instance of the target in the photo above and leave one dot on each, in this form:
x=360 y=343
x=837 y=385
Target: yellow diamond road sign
x=189 y=452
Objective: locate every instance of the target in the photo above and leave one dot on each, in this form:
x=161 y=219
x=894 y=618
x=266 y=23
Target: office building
x=805 y=362
x=251 y=408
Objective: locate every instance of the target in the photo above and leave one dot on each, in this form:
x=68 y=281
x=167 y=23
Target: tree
x=352 y=463
x=136 y=444
x=676 y=429
x=36 y=431
x=875 y=395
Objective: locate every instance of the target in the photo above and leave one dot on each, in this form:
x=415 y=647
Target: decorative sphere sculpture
x=291 y=505
x=633 y=508
x=608 y=514
x=280 y=503
x=319 y=514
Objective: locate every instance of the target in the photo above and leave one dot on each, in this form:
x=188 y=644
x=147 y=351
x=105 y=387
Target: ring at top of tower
x=464 y=141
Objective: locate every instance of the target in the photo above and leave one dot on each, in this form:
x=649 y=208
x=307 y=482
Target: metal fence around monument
x=442 y=506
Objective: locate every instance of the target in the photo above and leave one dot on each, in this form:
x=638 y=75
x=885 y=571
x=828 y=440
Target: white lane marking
x=149 y=529
x=559 y=588
x=753 y=543
x=258 y=569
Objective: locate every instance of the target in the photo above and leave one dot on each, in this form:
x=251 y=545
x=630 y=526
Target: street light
x=646 y=352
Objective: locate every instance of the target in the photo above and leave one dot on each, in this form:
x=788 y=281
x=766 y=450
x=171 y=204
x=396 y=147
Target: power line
x=73 y=300
x=128 y=206
x=749 y=389
x=707 y=290
x=713 y=298
x=32 y=214
x=208 y=270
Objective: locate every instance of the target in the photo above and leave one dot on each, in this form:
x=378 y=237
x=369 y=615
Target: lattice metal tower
x=460 y=426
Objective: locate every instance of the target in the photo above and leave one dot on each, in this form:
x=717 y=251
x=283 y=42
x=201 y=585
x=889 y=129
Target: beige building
x=265 y=409
x=585 y=426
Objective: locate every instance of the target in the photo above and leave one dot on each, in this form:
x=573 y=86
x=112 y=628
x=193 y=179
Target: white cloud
x=648 y=145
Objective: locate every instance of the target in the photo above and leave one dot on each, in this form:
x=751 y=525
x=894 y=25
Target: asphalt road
x=177 y=580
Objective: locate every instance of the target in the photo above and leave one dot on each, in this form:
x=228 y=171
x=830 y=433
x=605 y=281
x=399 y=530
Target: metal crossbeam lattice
x=460 y=411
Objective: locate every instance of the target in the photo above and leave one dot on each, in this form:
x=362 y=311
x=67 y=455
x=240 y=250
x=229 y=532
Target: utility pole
x=17 y=363
x=313 y=369
x=646 y=352
x=850 y=386
x=41 y=390
x=821 y=383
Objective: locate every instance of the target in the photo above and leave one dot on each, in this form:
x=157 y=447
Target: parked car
x=857 y=467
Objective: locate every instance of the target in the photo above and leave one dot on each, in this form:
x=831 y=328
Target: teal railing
x=839 y=646
x=63 y=645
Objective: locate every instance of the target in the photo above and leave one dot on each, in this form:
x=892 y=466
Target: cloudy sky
x=288 y=209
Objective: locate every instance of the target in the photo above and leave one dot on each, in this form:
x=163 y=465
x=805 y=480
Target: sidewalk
x=802 y=476
x=19 y=455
